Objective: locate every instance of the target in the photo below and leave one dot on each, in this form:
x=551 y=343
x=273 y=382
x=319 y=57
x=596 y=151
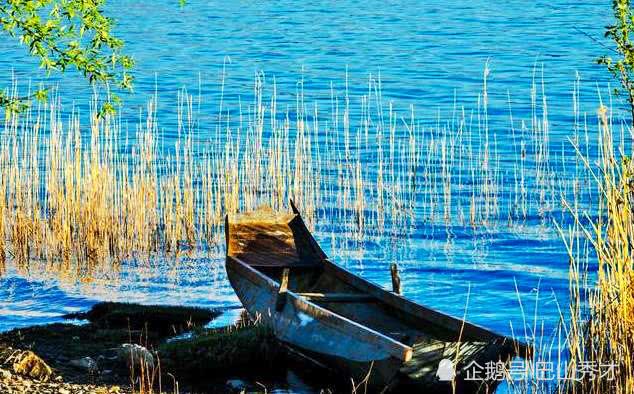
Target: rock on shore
x=97 y=357
x=25 y=372
x=122 y=340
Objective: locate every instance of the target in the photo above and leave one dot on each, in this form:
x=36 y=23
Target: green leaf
x=66 y=34
x=41 y=95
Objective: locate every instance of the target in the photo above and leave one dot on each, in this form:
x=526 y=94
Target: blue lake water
x=428 y=54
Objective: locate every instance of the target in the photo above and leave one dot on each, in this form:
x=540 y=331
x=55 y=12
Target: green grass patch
x=251 y=349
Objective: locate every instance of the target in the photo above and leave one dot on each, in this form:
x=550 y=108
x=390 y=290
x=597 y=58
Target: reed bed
x=80 y=198
x=591 y=350
x=601 y=331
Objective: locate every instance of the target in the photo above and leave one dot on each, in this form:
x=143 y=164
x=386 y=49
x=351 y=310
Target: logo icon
x=446 y=371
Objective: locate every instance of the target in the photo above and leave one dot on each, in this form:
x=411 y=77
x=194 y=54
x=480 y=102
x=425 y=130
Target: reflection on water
x=432 y=274
x=42 y=300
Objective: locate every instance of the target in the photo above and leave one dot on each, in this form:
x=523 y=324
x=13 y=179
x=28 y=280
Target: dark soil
x=201 y=361
x=223 y=352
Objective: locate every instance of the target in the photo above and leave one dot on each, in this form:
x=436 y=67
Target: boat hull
x=342 y=321
x=314 y=332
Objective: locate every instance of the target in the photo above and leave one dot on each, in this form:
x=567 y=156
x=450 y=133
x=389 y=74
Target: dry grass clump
x=77 y=203
x=601 y=333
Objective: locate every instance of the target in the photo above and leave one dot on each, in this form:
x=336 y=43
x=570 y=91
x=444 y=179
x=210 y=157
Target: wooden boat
x=329 y=315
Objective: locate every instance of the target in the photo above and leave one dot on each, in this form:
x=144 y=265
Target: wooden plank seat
x=338 y=297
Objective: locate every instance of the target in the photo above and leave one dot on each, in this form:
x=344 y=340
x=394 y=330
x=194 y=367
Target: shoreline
x=125 y=348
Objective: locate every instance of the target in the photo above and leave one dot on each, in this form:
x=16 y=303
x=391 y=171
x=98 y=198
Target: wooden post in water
x=280 y=301
x=396 y=279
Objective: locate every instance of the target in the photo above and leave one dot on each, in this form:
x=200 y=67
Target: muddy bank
x=125 y=347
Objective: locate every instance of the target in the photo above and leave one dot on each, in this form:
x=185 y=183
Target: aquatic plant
x=80 y=200
x=601 y=331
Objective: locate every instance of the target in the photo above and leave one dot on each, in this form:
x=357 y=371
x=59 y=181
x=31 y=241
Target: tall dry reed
x=81 y=198
x=601 y=332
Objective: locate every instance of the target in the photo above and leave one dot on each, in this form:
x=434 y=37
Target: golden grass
x=601 y=331
x=75 y=202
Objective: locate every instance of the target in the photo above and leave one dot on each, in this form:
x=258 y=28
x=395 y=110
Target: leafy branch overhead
x=622 y=66
x=66 y=34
